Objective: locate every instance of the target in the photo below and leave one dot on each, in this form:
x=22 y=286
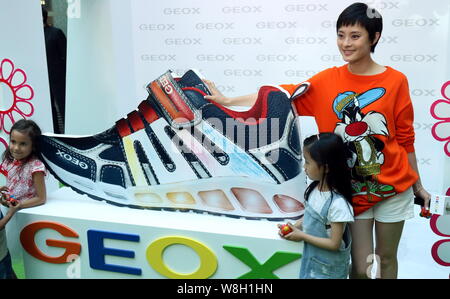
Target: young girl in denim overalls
x=324 y=228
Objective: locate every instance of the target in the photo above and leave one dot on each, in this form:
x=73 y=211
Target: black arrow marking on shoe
x=162 y=153
x=188 y=155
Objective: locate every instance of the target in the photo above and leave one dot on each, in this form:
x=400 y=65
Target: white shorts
x=395 y=209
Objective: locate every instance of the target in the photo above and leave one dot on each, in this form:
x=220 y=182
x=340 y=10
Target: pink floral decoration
x=440 y=110
x=15 y=95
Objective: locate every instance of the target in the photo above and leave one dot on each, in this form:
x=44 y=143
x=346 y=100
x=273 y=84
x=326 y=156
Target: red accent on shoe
x=195 y=89
x=147 y=112
x=175 y=114
x=123 y=128
x=135 y=121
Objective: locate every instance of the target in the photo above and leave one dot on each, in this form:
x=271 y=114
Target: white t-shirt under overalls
x=340 y=209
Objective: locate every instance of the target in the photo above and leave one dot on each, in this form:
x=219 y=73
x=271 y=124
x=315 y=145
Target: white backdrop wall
x=23 y=61
x=117 y=47
x=24 y=87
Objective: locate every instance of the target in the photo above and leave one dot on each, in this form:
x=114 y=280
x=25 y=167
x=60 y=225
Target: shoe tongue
x=191 y=79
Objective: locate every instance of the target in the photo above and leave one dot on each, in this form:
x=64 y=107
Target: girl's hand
x=3 y=191
x=216 y=95
x=14 y=208
x=3 y=199
x=296 y=234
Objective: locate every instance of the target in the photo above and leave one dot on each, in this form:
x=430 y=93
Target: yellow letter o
x=208 y=260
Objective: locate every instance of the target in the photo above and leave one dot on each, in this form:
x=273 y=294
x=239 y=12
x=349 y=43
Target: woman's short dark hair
x=363 y=15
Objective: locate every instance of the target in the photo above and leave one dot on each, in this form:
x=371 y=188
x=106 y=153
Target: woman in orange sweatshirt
x=369 y=106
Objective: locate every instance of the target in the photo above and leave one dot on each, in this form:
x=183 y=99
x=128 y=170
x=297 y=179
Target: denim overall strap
x=318 y=262
x=326 y=208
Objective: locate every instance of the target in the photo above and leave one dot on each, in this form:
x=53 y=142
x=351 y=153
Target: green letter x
x=277 y=260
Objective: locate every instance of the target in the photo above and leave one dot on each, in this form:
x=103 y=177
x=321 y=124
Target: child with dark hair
x=24 y=181
x=323 y=228
x=25 y=173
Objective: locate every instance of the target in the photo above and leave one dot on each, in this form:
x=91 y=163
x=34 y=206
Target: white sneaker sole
x=229 y=196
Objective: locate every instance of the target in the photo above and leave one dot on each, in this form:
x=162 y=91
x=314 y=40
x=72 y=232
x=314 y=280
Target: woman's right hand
x=216 y=95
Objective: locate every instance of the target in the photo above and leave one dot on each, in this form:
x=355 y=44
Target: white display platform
x=153 y=244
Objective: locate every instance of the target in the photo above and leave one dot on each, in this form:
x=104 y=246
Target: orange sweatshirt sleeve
x=303 y=103
x=306 y=104
x=404 y=118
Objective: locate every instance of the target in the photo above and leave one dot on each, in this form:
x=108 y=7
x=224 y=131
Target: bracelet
x=420 y=189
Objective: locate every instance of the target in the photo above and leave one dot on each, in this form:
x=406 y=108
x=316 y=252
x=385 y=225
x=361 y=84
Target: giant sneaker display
x=178 y=151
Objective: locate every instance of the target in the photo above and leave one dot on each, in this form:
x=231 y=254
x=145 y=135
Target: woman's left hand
x=422 y=193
